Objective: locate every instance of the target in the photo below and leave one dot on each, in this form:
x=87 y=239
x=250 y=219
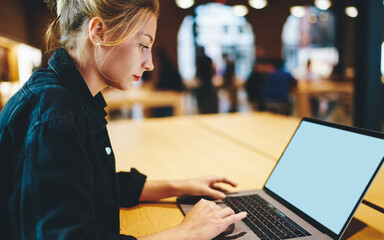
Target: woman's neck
x=88 y=70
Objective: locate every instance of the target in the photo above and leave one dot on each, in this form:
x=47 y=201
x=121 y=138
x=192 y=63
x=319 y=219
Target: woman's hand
x=206 y=220
x=205 y=186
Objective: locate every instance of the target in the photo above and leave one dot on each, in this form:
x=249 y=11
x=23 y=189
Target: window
x=219 y=31
x=310 y=39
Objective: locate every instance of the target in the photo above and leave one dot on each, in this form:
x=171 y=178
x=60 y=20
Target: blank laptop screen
x=324 y=171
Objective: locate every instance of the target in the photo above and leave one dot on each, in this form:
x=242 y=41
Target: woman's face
x=127 y=62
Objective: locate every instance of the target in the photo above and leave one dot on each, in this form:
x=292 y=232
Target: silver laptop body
x=318 y=182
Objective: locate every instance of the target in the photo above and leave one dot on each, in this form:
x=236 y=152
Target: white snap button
x=108 y=150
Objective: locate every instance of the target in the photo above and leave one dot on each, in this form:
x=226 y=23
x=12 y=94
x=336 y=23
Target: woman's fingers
x=219 y=188
x=223 y=180
x=225 y=212
x=234 y=218
x=214 y=193
x=206 y=220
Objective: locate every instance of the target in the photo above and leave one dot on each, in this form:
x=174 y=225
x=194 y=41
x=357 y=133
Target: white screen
x=324 y=171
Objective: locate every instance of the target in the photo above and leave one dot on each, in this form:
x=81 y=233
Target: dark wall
x=12 y=20
x=24 y=20
x=38 y=18
x=267 y=25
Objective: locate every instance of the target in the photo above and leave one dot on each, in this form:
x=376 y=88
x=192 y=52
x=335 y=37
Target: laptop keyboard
x=265 y=220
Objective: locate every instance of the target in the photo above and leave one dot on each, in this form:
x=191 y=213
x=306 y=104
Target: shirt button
x=108 y=150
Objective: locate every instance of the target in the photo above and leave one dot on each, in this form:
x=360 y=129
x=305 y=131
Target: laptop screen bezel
x=303 y=215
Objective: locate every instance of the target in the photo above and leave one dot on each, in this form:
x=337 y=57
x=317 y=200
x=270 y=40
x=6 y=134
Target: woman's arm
x=205 y=186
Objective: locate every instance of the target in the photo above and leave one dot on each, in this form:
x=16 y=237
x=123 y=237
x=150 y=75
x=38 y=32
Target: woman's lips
x=137 y=78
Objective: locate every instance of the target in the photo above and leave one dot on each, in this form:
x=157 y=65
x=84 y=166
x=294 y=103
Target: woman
x=58 y=178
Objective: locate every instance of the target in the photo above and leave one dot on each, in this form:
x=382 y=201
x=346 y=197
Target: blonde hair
x=123 y=18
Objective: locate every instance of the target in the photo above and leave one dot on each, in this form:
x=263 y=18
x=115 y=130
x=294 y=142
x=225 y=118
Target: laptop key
x=264 y=220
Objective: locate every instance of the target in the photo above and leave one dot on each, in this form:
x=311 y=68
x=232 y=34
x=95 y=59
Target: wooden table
x=305 y=90
x=243 y=147
x=146 y=97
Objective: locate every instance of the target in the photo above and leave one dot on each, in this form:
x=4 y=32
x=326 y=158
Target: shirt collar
x=62 y=64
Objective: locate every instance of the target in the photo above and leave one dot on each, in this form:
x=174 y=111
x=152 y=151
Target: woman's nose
x=148 y=64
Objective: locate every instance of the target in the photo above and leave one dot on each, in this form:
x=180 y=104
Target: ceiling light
x=323 y=4
x=258 y=4
x=351 y=11
x=240 y=10
x=297 y=11
x=184 y=4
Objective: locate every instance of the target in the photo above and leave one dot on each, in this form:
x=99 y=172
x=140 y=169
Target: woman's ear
x=96 y=30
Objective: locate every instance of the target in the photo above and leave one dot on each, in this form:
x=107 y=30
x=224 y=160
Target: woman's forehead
x=149 y=28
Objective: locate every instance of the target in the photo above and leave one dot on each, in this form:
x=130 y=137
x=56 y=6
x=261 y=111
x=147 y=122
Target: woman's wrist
x=158 y=189
x=177 y=187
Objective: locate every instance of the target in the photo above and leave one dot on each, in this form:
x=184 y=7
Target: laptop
x=313 y=190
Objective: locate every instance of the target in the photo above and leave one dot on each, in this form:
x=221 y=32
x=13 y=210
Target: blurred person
x=207 y=99
x=254 y=84
x=309 y=74
x=277 y=87
x=306 y=73
x=58 y=177
x=168 y=79
x=229 y=84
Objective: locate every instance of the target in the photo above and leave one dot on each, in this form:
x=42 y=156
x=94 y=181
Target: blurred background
x=314 y=58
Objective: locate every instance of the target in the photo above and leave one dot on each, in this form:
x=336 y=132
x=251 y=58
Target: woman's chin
x=123 y=86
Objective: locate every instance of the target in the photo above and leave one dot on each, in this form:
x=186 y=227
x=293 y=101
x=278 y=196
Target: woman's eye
x=143 y=46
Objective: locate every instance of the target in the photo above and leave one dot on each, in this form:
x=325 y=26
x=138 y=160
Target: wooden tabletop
x=243 y=147
x=342 y=91
x=144 y=96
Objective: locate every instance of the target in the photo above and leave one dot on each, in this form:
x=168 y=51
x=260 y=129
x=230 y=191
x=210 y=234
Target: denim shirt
x=57 y=167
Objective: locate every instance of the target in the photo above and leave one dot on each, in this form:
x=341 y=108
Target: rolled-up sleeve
x=131 y=186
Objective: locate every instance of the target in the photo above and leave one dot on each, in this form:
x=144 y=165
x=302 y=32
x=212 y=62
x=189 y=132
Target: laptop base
x=240 y=230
